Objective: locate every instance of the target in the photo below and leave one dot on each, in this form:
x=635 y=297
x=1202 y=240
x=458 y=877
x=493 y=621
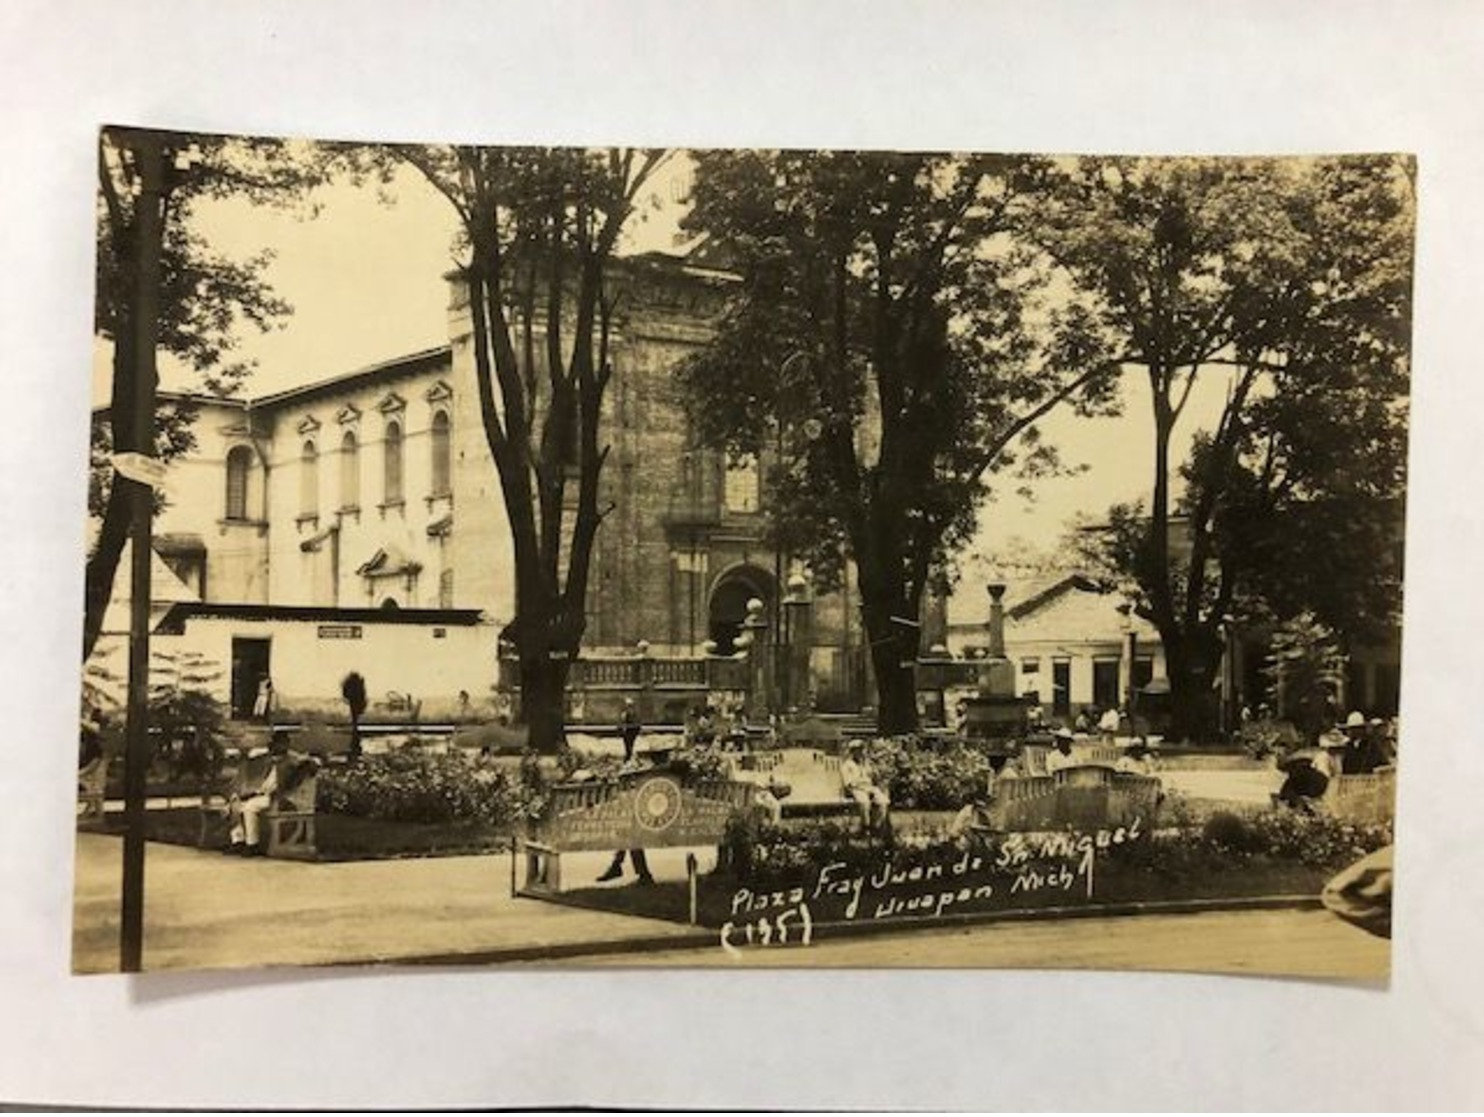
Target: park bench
x=1369 y=799
x=92 y=781
x=812 y=776
x=289 y=830
x=1084 y=797
x=815 y=788
x=653 y=809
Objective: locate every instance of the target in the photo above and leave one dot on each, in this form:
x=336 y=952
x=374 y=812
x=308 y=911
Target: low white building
x=1073 y=645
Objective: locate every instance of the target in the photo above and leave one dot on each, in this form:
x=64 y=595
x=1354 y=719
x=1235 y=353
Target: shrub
x=415 y=786
x=930 y=779
x=1265 y=738
x=1227 y=840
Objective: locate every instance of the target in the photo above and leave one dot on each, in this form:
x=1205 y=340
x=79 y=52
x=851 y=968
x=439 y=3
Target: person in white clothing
x=859 y=784
x=1137 y=759
x=244 y=811
x=1060 y=755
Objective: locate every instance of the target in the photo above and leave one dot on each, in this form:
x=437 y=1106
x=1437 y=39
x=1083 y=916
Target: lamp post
x=149 y=152
x=797 y=638
x=780 y=434
x=755 y=643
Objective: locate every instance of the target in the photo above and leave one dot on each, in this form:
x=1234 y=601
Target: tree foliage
x=539 y=229
x=1306 y=668
x=187 y=720
x=198 y=311
x=892 y=345
x=1291 y=279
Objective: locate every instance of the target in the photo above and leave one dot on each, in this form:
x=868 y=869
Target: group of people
x=1358 y=748
x=1138 y=758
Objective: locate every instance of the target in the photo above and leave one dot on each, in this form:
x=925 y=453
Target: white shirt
x=1137 y=766
x=854 y=774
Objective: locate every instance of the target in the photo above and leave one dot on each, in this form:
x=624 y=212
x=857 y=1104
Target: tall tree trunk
x=543 y=689
x=893 y=645
x=102 y=566
x=1191 y=667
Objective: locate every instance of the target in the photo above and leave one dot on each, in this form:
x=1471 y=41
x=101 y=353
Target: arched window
x=309 y=479
x=350 y=471
x=392 y=476
x=239 y=462
x=441 y=458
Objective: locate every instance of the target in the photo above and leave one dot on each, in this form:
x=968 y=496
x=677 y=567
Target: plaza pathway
x=207 y=910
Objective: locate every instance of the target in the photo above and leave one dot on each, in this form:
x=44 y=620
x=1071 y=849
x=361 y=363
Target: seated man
x=1307 y=777
x=1061 y=754
x=1362 y=753
x=254 y=795
x=976 y=815
x=858 y=781
x=1137 y=759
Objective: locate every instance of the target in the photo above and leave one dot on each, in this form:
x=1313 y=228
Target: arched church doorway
x=728 y=606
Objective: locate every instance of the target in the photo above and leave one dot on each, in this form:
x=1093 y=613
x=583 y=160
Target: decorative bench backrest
x=299 y=797
x=1368 y=799
x=1033 y=760
x=1100 y=754
x=1086 y=797
x=652 y=809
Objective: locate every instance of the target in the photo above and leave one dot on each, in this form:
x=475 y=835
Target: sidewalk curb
x=703 y=937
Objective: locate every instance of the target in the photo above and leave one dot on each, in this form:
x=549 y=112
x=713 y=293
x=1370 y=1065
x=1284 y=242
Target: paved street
x=1312 y=943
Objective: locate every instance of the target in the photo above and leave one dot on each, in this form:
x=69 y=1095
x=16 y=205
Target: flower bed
x=842 y=877
x=922 y=778
x=413 y=785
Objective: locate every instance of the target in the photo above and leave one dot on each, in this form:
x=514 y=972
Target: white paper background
x=1156 y=77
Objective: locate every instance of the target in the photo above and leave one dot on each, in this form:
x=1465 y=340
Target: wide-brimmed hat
x=1062 y=733
x=1356 y=720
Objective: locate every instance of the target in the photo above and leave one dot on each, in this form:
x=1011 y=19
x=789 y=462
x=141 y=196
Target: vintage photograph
x=542 y=556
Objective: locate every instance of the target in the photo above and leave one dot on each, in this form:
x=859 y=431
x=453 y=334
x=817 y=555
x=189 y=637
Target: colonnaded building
x=355 y=523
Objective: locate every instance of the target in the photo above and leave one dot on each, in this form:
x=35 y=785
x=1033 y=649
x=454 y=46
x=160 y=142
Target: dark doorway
x=728 y=607
x=1143 y=673
x=1104 y=683
x=1061 y=688
x=249 y=670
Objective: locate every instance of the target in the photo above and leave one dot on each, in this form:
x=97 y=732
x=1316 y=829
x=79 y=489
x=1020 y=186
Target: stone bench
x=289 y=830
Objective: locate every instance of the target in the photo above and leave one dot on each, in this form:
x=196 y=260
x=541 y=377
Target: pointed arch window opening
x=308 y=481
x=442 y=455
x=393 y=495
x=350 y=472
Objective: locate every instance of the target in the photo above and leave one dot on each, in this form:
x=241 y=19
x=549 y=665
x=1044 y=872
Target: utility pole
x=147 y=250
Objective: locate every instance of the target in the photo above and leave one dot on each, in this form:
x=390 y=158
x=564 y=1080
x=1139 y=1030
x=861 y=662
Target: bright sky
x=365 y=280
